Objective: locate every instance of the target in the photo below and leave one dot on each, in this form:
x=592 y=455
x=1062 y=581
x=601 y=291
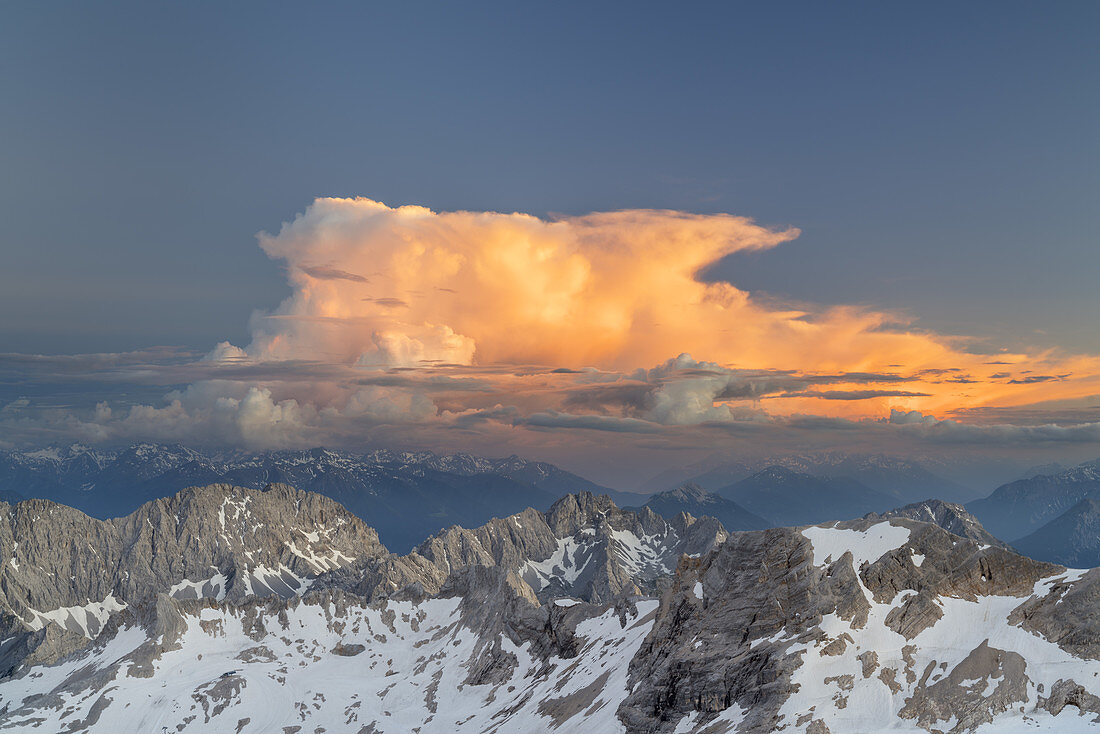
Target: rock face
x=694 y=500
x=404 y=495
x=951 y=517
x=1019 y=508
x=583 y=547
x=65 y=572
x=860 y=626
x=61 y=569
x=584 y=618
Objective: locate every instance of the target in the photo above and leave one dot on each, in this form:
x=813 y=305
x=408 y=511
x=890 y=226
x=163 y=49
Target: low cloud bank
x=491 y=332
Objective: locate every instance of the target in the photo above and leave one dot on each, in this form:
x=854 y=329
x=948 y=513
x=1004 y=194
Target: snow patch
x=88 y=619
x=829 y=544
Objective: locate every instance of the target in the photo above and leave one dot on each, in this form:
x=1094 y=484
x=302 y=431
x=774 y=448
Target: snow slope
x=396 y=667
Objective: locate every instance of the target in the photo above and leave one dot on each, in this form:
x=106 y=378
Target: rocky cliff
x=233 y=610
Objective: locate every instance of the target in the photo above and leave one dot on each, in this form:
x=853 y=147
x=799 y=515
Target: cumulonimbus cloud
x=476 y=330
x=613 y=290
x=616 y=291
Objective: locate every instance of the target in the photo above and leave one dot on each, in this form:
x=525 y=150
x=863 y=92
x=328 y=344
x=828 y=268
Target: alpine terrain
x=241 y=610
x=404 y=495
x=695 y=500
x=1043 y=508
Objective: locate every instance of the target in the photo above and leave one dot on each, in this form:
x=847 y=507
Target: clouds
x=494 y=332
x=610 y=290
x=379 y=286
x=324 y=272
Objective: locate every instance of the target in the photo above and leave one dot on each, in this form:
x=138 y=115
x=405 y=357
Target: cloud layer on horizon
x=478 y=329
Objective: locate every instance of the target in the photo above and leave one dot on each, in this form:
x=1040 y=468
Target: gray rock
x=950 y=516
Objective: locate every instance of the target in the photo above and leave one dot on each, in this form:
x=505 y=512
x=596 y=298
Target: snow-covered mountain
x=238 y=610
x=404 y=495
x=584 y=547
x=950 y=516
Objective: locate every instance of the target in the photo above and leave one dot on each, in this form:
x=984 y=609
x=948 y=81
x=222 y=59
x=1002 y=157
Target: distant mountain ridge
x=790 y=498
x=696 y=501
x=1071 y=539
x=408 y=495
x=405 y=495
x=906 y=480
x=950 y=516
x=1019 y=508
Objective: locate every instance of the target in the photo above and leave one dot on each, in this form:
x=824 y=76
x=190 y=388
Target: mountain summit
x=248 y=611
x=404 y=495
x=694 y=500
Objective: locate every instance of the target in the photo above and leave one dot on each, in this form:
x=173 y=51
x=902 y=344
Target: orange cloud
x=377 y=287
x=614 y=290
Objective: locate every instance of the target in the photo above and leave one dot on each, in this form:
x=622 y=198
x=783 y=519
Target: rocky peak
x=687 y=492
x=224 y=542
x=809 y=625
x=950 y=516
x=777 y=473
x=857 y=625
x=583 y=546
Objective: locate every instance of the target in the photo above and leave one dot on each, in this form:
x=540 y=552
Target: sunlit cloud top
x=383 y=287
x=507 y=332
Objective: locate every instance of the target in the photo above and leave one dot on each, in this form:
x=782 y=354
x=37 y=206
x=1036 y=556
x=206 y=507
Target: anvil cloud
x=482 y=330
x=382 y=287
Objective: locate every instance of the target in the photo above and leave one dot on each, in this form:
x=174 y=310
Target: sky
x=614 y=237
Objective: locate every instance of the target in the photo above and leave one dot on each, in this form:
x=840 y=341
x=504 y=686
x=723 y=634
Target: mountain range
x=950 y=516
x=404 y=495
x=1021 y=507
x=241 y=610
x=788 y=497
x=903 y=479
x=408 y=495
x=1051 y=517
x=1072 y=538
x=694 y=500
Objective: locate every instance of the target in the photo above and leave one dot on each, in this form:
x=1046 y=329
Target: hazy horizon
x=619 y=242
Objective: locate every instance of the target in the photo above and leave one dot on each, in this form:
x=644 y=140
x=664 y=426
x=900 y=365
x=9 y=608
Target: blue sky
x=939 y=162
x=940 y=158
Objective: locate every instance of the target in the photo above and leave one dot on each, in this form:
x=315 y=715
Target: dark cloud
x=1034 y=415
x=553 y=419
x=860 y=377
x=948 y=431
x=858 y=394
x=1030 y=379
x=630 y=397
x=433 y=382
x=821 y=422
x=389 y=302
x=322 y=272
x=169 y=394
